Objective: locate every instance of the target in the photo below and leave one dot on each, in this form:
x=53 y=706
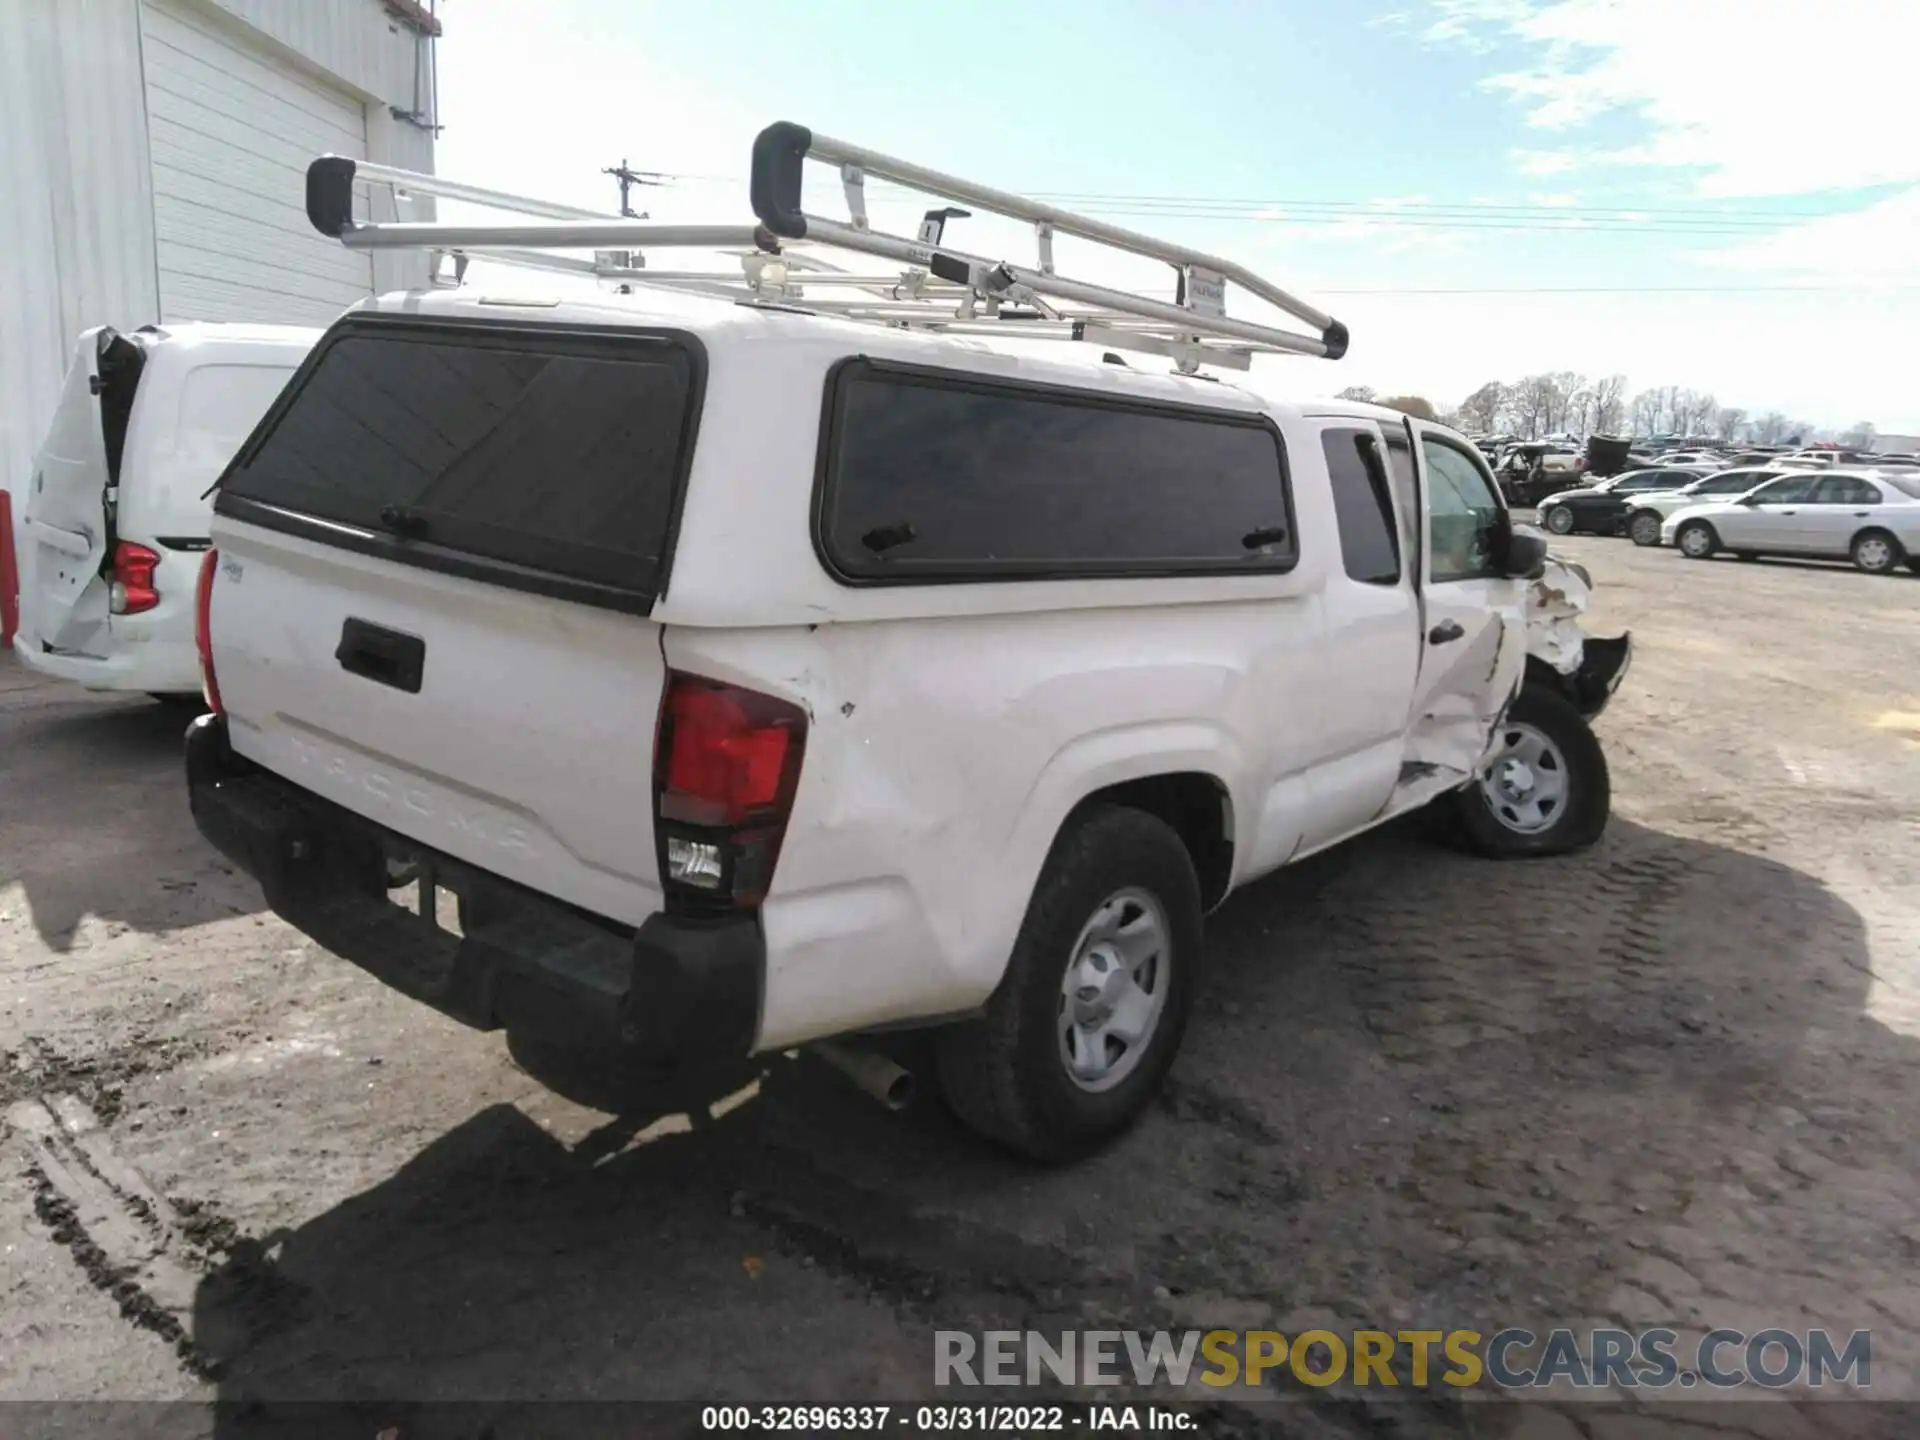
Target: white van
x=116 y=510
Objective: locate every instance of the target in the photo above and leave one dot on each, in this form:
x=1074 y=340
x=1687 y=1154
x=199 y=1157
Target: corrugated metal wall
x=77 y=203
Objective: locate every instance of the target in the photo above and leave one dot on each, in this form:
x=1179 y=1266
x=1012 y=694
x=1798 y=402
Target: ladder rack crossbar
x=938 y=287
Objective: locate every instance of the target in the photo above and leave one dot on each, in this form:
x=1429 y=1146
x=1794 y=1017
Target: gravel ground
x=1670 y=1080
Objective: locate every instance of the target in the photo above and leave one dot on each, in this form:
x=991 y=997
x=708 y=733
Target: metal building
x=152 y=169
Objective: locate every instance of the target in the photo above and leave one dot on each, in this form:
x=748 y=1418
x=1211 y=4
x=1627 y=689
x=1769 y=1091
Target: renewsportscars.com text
x=1511 y=1358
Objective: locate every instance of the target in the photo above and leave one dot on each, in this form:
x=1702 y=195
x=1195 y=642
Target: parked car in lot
x=117 y=509
x=1647 y=513
x=1869 y=517
x=1601 y=508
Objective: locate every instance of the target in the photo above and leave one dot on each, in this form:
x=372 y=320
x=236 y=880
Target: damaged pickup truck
x=757 y=678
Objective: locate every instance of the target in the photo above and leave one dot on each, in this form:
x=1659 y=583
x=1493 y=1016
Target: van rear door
x=72 y=495
x=435 y=562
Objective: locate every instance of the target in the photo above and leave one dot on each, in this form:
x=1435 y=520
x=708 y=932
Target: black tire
x=1573 y=825
x=1883 y=550
x=1559 y=519
x=1003 y=1074
x=1643 y=528
x=1697 y=527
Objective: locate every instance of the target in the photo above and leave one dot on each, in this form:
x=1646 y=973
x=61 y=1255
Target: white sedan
x=1869 y=517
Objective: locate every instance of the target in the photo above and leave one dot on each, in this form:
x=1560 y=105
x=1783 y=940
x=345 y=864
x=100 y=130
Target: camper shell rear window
x=539 y=457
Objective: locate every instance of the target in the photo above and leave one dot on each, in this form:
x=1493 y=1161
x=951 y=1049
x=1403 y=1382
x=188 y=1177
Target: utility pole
x=629 y=178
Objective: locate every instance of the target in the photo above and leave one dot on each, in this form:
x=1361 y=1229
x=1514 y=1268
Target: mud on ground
x=1671 y=1080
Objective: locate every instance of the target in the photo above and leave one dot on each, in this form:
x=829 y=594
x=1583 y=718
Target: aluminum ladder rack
x=779 y=259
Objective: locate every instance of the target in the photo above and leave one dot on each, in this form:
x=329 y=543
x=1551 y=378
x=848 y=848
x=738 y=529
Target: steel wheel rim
x=1873 y=553
x=1560 y=520
x=1645 y=530
x=1114 y=990
x=1695 y=542
x=1526 y=783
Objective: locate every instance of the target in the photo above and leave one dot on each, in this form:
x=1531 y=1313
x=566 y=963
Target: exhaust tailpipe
x=872 y=1072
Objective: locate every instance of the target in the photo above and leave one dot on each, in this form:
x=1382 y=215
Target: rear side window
x=929 y=475
x=1362 y=507
x=558 y=455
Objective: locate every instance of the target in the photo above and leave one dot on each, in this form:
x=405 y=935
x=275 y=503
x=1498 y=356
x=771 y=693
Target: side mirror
x=1526 y=557
x=1749 y=501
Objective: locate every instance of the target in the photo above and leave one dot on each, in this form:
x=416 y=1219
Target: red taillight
x=726 y=764
x=133 y=567
x=203 y=630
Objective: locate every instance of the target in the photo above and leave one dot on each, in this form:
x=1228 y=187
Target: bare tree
x=1727 y=423
x=1414 y=405
x=1647 y=409
x=1480 y=411
x=1859 y=435
x=1566 y=387
x=1362 y=393
x=1770 y=428
x=1532 y=404
x=1608 y=407
x=1701 y=410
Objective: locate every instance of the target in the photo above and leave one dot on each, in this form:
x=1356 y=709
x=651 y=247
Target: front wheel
x=1875 y=552
x=1559 y=520
x=1644 y=528
x=1696 y=540
x=1546 y=789
x=1087 y=1019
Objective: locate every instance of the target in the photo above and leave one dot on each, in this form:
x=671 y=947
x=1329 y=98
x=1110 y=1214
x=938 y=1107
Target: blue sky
x=1618 y=182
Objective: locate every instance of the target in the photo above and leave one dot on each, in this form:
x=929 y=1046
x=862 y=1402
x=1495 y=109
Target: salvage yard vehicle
x=1868 y=517
x=1601 y=508
x=756 y=675
x=1648 y=512
x=117 y=508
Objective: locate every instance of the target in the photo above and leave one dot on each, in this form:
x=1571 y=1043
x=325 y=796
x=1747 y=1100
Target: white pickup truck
x=755 y=678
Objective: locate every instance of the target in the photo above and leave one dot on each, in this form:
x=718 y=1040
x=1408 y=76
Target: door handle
x=383 y=656
x=1445 y=631
x=1789 y=512
x=1859 y=514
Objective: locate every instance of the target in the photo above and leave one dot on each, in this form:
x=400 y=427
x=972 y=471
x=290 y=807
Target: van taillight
x=726 y=764
x=132 y=588
x=203 y=630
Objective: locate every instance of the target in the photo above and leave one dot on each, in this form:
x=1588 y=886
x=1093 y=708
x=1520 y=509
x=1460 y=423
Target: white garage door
x=231 y=127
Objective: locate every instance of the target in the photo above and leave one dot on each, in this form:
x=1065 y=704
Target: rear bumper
x=149 y=667
x=677 y=997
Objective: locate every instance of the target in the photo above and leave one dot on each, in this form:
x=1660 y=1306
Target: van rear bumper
x=677 y=997
x=151 y=667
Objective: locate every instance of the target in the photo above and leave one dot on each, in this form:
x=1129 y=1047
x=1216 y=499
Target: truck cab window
x=1464 y=517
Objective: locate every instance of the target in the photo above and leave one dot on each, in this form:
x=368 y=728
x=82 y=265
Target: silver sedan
x=1869 y=517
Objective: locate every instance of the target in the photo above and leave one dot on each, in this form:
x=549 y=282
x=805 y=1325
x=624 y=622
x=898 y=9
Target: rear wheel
x=1644 y=528
x=1876 y=552
x=1086 y=1020
x=1559 y=519
x=1546 y=790
x=1696 y=540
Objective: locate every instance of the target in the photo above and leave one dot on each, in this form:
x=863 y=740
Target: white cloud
x=1788 y=97
x=1553 y=202
x=1543 y=163
x=1879 y=243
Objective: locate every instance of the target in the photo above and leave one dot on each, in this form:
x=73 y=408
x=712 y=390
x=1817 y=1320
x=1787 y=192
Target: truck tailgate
x=527 y=749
